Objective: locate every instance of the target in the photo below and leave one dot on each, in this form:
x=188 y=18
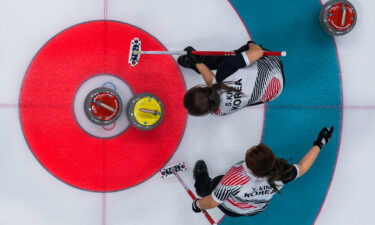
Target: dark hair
x=201 y=100
x=262 y=162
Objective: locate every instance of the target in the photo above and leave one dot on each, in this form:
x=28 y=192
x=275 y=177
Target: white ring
x=109 y=81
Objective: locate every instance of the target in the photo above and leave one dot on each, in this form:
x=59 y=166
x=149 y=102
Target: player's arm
x=243 y=59
x=221 y=193
x=308 y=160
x=205 y=203
x=207 y=74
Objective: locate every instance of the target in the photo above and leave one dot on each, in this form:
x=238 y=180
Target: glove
x=193 y=59
x=243 y=48
x=195 y=207
x=189 y=60
x=323 y=137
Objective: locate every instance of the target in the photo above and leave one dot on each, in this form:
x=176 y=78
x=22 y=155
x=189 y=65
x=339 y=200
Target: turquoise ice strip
x=311 y=100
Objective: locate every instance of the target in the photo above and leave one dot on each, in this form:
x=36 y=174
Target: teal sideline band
x=311 y=100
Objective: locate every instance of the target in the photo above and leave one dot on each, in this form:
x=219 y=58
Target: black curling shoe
x=200 y=168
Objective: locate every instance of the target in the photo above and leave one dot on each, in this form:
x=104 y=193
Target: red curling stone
x=103 y=106
x=338 y=17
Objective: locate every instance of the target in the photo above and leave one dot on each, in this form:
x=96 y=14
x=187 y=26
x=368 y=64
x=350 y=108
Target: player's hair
x=200 y=100
x=262 y=162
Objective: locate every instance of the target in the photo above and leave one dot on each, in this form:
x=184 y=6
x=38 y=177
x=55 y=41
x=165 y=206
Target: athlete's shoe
x=200 y=168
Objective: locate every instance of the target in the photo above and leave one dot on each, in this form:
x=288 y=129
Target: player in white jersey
x=247 y=79
x=247 y=188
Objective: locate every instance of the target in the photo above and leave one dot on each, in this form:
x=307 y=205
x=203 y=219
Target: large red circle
x=47 y=116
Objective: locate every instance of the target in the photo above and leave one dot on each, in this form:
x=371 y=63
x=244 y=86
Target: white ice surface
x=176 y=24
x=30 y=195
x=26 y=26
x=356 y=57
x=350 y=200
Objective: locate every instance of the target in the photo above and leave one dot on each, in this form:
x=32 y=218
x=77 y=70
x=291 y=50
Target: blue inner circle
x=110 y=85
x=311 y=99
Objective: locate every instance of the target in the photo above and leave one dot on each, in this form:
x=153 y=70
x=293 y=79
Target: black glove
x=323 y=137
x=195 y=207
x=193 y=59
x=243 y=48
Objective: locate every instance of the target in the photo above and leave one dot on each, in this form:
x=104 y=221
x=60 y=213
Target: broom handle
x=191 y=194
x=282 y=53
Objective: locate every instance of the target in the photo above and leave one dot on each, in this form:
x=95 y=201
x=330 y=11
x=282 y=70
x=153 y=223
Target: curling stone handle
x=343 y=15
x=153 y=112
x=106 y=106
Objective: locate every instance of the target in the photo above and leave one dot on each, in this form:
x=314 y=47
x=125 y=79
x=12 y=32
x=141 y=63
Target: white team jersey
x=259 y=83
x=241 y=192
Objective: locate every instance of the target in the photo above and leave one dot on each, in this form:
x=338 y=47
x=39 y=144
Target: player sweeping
x=246 y=79
x=247 y=188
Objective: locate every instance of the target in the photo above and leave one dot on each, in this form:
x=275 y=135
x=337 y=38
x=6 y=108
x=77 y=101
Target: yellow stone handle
x=153 y=112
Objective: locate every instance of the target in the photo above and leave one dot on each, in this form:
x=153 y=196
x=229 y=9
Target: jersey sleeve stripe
x=228 y=176
x=235 y=176
x=236 y=181
x=215 y=198
x=222 y=192
x=268 y=68
x=241 y=205
x=239 y=181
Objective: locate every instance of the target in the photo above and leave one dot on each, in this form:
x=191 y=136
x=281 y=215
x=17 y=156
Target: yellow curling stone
x=145 y=111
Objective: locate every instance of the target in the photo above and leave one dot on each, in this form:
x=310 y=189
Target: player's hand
x=324 y=135
x=254 y=53
x=195 y=207
x=243 y=48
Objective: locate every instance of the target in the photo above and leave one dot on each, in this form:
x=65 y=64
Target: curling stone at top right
x=338 y=17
